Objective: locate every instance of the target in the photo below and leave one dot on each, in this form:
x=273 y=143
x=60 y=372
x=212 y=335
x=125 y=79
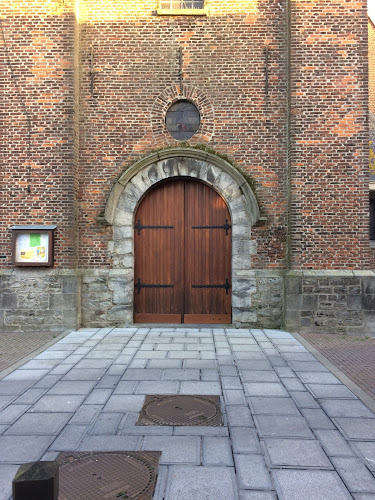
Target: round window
x=182 y=120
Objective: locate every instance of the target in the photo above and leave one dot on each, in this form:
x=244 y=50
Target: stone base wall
x=330 y=301
x=310 y=301
x=37 y=300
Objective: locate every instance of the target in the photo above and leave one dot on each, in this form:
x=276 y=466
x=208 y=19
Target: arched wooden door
x=182 y=255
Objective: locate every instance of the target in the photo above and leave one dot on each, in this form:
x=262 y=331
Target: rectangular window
x=182 y=8
x=372 y=215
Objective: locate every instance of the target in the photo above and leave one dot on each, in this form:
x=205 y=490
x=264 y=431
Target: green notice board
x=35 y=239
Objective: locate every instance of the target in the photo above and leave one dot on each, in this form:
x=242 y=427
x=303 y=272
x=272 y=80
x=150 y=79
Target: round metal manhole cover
x=181 y=410
x=99 y=476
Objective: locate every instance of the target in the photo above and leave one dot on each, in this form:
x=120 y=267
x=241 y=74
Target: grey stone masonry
x=330 y=301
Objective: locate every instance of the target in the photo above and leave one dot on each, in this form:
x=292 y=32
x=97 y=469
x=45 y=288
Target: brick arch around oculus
x=214 y=171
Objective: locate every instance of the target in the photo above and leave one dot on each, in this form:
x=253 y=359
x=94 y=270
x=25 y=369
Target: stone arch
x=183 y=162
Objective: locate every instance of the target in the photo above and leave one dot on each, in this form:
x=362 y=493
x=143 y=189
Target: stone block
x=252 y=472
x=273 y=406
x=354 y=474
x=36 y=480
x=333 y=443
x=217 y=451
x=70 y=438
x=296 y=453
x=21 y=449
x=282 y=426
x=245 y=440
x=175 y=449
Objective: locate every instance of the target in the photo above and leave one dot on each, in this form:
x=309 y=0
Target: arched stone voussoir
x=183 y=162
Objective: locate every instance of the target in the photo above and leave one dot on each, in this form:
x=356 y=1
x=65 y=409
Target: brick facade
x=282 y=90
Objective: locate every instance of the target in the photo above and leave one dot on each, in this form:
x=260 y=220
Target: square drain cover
x=114 y=475
x=181 y=410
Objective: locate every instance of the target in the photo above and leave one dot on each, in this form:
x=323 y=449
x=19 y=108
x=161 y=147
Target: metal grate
x=99 y=476
x=181 y=410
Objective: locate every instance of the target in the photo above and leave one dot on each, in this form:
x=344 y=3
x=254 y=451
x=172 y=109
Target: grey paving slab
x=39 y=424
x=252 y=472
x=231 y=383
x=298 y=356
x=157 y=387
x=29 y=397
x=363 y=496
x=111 y=443
x=201 y=430
x=63 y=404
x=124 y=403
x=344 y=407
x=86 y=414
x=265 y=389
x=284 y=371
x=24 y=375
x=259 y=376
x=11 y=413
x=318 y=378
x=333 y=443
x=70 y=438
x=126 y=387
x=118 y=370
x=282 y=426
x=217 y=451
x=253 y=365
x=367 y=451
x=325 y=391
x=228 y=371
x=108 y=382
x=245 y=440
x=22 y=449
x=50 y=354
x=202 y=388
x=106 y=424
x=210 y=376
x=309 y=485
x=317 y=419
x=355 y=474
x=175 y=449
x=272 y=406
x=61 y=369
x=307 y=366
x=234 y=397
x=14 y=387
x=203 y=364
x=143 y=374
x=7 y=473
x=165 y=363
x=304 y=400
x=155 y=355
x=239 y=416
x=296 y=453
x=293 y=384
x=190 y=483
x=93 y=363
x=47 y=382
x=362 y=429
x=84 y=374
x=257 y=495
x=73 y=387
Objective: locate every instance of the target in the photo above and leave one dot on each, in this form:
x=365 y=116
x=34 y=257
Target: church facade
x=186 y=161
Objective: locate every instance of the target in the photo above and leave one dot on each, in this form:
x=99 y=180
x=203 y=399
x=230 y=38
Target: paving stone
x=234 y=397
x=22 y=449
x=37 y=364
x=344 y=407
x=355 y=474
x=70 y=438
x=217 y=451
x=180 y=374
x=257 y=495
x=142 y=374
x=309 y=485
x=84 y=374
x=165 y=363
x=3 y=428
x=73 y=387
x=304 y=400
x=330 y=391
x=61 y=369
x=66 y=403
x=159 y=387
x=317 y=419
x=23 y=375
x=14 y=387
x=93 y=363
x=126 y=387
x=239 y=416
x=200 y=430
x=107 y=423
x=228 y=371
x=136 y=363
x=118 y=370
x=277 y=361
x=254 y=365
x=367 y=450
x=245 y=440
x=210 y=376
x=284 y=372
x=363 y=496
x=299 y=356
x=39 y=424
x=175 y=449
x=333 y=443
x=11 y=413
x=108 y=382
x=47 y=382
x=110 y=443
x=202 y=388
x=29 y=397
x=124 y=403
x=318 y=378
x=282 y=426
x=73 y=358
x=188 y=483
x=296 y=453
x=252 y=472
x=308 y=366
x=85 y=414
x=265 y=389
x=362 y=429
x=231 y=383
x=103 y=353
x=7 y=473
x=259 y=376
x=203 y=364
x=293 y=384
x=183 y=355
x=153 y=355
x=221 y=351
x=273 y=406
x=170 y=347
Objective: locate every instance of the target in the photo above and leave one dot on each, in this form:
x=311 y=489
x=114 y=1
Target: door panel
x=182 y=262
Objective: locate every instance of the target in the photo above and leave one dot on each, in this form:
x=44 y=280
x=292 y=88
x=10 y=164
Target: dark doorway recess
x=182 y=255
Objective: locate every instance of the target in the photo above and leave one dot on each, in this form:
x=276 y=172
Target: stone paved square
x=283 y=436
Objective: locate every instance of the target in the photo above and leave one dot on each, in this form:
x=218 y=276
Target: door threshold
x=182 y=325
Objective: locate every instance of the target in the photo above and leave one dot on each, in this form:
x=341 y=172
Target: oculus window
x=182 y=120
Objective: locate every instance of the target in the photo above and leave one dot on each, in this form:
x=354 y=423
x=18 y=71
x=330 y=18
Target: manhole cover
x=181 y=410
x=102 y=476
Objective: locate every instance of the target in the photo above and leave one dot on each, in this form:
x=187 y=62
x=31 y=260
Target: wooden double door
x=182 y=255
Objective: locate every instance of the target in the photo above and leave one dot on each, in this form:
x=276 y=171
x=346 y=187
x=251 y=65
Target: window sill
x=181 y=12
